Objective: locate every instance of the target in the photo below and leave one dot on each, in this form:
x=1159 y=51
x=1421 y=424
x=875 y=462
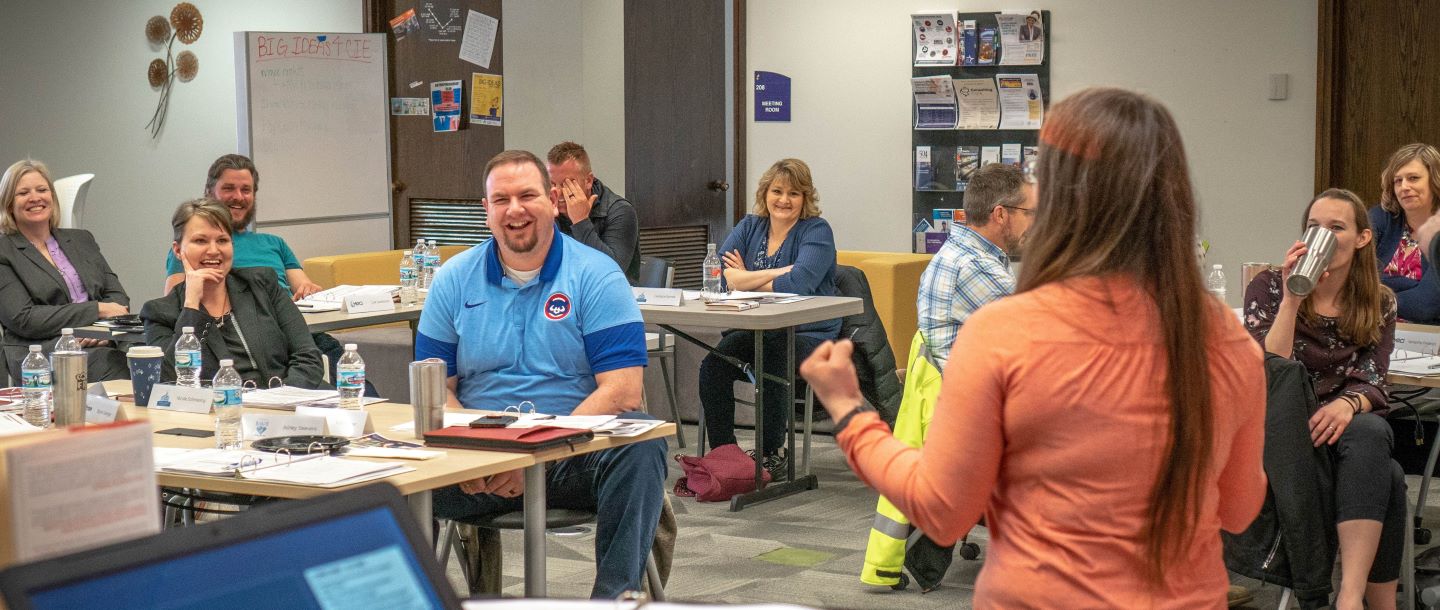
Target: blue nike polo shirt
x=543 y=342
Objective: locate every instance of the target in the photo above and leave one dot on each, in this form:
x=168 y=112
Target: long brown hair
x=1115 y=198
x=1362 y=311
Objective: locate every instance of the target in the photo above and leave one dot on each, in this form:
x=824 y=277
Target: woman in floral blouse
x=1409 y=194
x=1343 y=333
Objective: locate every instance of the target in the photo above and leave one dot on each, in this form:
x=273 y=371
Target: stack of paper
x=1414 y=364
x=326 y=471
x=284 y=397
x=220 y=462
x=14 y=423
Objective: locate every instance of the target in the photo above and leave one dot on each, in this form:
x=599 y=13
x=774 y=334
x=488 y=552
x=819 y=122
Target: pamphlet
x=935 y=106
x=1010 y=153
x=1022 y=104
x=1022 y=38
x=935 y=39
x=978 y=102
x=987 y=47
x=989 y=154
x=967 y=37
x=967 y=160
x=924 y=172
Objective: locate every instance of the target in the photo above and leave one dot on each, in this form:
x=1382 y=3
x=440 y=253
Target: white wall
x=564 y=80
x=75 y=96
x=1252 y=159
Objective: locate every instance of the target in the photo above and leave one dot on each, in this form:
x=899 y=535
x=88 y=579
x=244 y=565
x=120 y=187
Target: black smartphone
x=195 y=432
x=493 y=421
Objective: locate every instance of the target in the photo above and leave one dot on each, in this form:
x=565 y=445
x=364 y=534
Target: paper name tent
x=66 y=490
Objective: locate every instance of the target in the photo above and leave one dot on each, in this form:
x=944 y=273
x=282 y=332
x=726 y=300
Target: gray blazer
x=34 y=302
x=275 y=330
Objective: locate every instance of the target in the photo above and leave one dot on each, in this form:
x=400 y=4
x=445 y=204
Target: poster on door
x=487 y=98
x=445 y=98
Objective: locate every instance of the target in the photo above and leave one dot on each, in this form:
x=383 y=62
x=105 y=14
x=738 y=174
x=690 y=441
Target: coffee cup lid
x=145 y=351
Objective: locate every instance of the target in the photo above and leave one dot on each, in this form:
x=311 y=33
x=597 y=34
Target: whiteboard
x=313 y=115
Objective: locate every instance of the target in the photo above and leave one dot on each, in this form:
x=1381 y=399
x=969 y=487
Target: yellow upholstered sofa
x=894 y=280
x=364 y=267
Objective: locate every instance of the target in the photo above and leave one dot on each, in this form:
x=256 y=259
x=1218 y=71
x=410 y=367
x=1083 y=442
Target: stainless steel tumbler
x=427 y=395
x=1321 y=245
x=69 y=377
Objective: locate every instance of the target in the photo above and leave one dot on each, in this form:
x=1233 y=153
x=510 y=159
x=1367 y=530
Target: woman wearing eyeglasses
x=1107 y=419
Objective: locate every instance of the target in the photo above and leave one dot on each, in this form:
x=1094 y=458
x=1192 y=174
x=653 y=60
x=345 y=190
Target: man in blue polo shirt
x=534 y=315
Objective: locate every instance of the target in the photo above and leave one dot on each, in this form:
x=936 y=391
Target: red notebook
x=525 y=440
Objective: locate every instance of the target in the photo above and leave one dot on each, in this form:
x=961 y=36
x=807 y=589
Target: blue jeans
x=625 y=486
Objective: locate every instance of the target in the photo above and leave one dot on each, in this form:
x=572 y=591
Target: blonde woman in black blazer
x=51 y=278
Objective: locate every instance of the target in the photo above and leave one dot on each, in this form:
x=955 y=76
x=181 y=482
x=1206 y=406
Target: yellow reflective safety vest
x=885 y=554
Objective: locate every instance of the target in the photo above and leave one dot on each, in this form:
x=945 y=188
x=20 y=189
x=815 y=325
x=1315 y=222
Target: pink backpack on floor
x=722 y=473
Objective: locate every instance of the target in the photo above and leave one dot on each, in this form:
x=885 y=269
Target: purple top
x=67 y=271
x=1335 y=364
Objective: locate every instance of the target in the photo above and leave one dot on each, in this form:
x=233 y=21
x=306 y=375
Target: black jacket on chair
x=34 y=301
x=1292 y=542
x=874 y=360
x=274 y=329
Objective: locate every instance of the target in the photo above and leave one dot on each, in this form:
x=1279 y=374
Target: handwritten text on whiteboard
x=342 y=48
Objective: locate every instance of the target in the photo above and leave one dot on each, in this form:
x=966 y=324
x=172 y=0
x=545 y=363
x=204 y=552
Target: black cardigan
x=273 y=327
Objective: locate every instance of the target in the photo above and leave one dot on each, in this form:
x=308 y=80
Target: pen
x=852 y=333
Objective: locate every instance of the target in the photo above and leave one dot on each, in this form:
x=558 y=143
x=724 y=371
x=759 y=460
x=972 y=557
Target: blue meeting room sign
x=772 y=96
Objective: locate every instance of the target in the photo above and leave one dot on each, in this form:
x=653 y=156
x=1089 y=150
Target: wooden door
x=437 y=180
x=683 y=109
x=1378 y=88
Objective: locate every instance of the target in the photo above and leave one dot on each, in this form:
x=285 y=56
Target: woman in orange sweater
x=1107 y=419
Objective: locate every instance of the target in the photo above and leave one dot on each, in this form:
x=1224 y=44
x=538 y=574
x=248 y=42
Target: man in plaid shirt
x=973 y=267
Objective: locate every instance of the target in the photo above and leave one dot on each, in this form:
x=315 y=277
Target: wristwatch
x=845 y=421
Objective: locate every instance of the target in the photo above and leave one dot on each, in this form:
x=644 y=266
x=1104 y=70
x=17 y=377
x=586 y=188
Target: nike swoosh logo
x=473 y=305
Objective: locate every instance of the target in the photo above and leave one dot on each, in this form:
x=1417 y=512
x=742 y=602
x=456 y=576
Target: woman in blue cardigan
x=782 y=246
x=1410 y=194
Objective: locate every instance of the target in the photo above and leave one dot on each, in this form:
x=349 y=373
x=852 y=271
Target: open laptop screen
x=357 y=560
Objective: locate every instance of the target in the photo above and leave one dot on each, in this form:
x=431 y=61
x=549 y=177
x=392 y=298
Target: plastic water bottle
x=67 y=341
x=350 y=378
x=1215 y=283
x=710 y=273
x=422 y=265
x=432 y=254
x=407 y=279
x=226 y=386
x=187 y=359
x=35 y=387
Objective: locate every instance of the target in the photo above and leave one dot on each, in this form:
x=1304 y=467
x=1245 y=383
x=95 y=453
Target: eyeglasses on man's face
x=1028 y=211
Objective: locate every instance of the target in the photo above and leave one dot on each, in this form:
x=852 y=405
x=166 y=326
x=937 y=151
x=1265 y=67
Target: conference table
x=319 y=322
x=766 y=317
x=456 y=466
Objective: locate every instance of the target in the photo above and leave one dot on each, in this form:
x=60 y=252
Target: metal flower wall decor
x=186 y=25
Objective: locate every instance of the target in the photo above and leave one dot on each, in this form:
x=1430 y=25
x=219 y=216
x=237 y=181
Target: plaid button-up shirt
x=965 y=274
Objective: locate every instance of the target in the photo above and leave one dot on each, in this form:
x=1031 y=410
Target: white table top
x=768 y=316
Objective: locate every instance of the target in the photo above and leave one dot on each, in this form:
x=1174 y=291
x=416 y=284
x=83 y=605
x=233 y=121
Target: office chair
x=657 y=272
x=70 y=193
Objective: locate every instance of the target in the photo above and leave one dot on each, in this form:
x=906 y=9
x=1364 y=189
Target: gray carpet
x=721 y=556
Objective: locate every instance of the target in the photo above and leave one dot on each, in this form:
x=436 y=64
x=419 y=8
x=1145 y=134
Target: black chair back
x=655 y=272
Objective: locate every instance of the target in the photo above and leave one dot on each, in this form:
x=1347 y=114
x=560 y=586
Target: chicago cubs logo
x=557 y=306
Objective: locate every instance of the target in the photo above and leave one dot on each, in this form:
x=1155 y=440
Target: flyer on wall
x=1022 y=105
x=1022 y=38
x=979 y=105
x=487 y=98
x=934 y=102
x=445 y=98
x=935 y=39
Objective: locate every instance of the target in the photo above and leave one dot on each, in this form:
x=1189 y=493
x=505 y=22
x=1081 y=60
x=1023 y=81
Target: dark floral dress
x=1336 y=365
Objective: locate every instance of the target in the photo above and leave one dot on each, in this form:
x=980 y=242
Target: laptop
x=359 y=548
